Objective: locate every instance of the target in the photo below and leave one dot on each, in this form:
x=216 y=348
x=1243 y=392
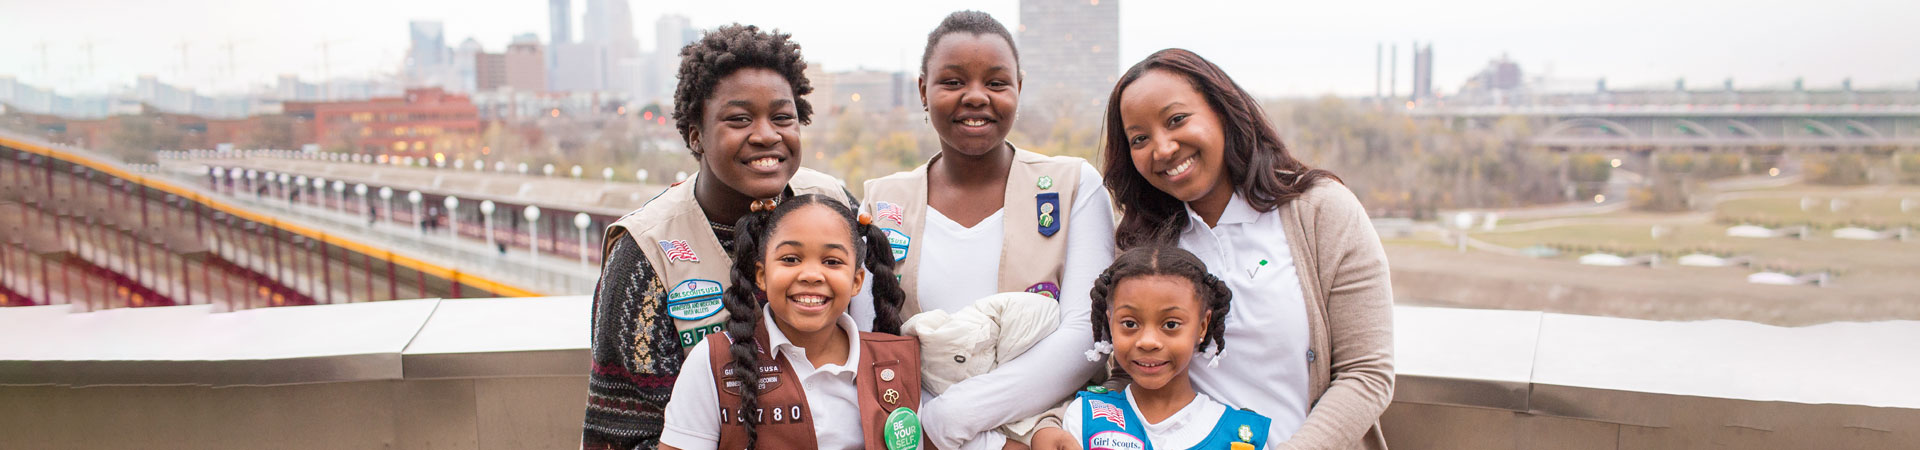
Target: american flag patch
x=1104 y=410
x=889 y=211
x=678 y=250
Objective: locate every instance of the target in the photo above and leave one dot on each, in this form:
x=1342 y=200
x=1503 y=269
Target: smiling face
x=1157 y=322
x=1175 y=138
x=809 y=272
x=749 y=136
x=972 y=91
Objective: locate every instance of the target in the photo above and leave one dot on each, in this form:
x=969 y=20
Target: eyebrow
x=841 y=247
x=1163 y=109
x=959 y=67
x=746 y=104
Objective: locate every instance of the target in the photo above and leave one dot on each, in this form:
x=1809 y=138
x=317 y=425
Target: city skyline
x=1274 y=50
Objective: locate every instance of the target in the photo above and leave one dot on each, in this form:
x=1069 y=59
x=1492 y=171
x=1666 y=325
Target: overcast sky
x=1289 y=48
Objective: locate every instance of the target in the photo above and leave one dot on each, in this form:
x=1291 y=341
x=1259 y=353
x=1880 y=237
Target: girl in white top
x=970 y=85
x=1154 y=310
x=1193 y=161
x=804 y=257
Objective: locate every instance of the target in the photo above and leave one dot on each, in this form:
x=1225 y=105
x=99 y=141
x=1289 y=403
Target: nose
x=975 y=97
x=1164 y=147
x=1148 y=342
x=763 y=135
x=812 y=274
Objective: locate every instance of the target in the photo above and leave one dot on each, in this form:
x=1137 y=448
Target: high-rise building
x=465 y=60
x=429 y=44
x=559 y=26
x=580 y=67
x=609 y=25
x=1070 y=50
x=670 y=33
x=1422 y=72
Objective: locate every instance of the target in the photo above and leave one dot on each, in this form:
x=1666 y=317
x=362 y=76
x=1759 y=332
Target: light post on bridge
x=320 y=192
x=286 y=184
x=532 y=214
x=360 y=189
x=640 y=175
x=580 y=222
x=419 y=223
x=386 y=195
x=607 y=174
x=251 y=177
x=486 y=220
x=547 y=170
x=576 y=172
x=453 y=220
x=340 y=196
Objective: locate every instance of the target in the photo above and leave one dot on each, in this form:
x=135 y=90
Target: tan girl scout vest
x=887 y=382
x=673 y=232
x=1033 y=254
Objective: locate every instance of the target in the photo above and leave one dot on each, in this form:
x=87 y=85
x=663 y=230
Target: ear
x=760 y=276
x=693 y=141
x=921 y=85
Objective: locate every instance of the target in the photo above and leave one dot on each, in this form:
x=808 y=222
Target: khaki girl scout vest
x=673 y=232
x=1040 y=192
x=887 y=379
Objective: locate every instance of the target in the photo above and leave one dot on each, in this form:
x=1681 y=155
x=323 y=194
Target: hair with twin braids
x=1150 y=260
x=743 y=299
x=722 y=52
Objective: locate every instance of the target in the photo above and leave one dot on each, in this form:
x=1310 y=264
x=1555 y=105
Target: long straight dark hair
x=1261 y=169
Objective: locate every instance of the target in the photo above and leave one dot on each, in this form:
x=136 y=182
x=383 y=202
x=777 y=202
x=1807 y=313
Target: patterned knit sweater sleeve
x=636 y=354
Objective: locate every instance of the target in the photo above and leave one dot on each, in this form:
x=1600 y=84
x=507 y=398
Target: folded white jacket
x=980 y=337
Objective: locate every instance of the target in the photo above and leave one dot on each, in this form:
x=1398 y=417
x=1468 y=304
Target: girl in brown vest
x=739 y=107
x=793 y=370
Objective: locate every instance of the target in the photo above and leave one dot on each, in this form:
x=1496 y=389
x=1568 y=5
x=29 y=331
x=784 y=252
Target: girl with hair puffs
x=739 y=106
x=793 y=370
x=1154 y=310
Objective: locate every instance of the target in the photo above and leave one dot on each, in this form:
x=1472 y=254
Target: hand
x=1052 y=438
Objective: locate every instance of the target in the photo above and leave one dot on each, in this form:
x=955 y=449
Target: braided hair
x=722 y=52
x=744 y=298
x=1151 y=260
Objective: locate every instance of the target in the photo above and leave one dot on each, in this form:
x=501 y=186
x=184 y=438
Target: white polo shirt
x=693 y=414
x=1264 y=367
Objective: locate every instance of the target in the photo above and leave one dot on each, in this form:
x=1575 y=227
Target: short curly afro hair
x=723 y=51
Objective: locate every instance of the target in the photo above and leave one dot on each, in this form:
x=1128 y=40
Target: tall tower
x=1422 y=71
x=560 y=24
x=1070 y=50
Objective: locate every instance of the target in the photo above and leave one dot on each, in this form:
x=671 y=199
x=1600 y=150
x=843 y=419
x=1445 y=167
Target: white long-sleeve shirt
x=961 y=265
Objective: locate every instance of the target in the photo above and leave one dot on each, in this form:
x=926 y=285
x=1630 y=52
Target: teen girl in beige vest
x=739 y=107
x=984 y=217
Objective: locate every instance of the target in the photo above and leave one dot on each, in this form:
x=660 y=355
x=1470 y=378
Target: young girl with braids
x=1153 y=309
x=792 y=369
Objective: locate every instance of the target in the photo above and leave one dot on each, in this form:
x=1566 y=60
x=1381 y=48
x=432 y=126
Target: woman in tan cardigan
x=1191 y=160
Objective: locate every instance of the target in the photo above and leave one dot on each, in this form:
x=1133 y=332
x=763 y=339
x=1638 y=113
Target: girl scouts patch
x=694 y=299
x=1048 y=207
x=1045 y=288
x=1114 y=440
x=899 y=241
x=889 y=211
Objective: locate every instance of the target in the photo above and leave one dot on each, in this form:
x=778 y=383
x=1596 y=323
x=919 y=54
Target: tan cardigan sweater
x=1349 y=316
x=1349 y=319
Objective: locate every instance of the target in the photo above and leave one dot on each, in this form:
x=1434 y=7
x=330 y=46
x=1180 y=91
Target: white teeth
x=974 y=122
x=1180 y=169
x=809 y=299
x=765 y=163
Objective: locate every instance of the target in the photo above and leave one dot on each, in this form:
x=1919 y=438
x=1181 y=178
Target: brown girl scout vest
x=887 y=378
x=673 y=232
x=1033 y=252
